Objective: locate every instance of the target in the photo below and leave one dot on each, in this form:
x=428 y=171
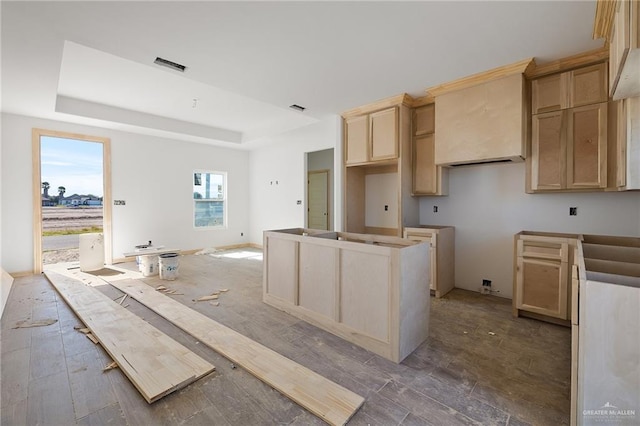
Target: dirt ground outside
x=67 y=218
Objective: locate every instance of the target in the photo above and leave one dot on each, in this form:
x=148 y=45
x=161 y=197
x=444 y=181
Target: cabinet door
x=356 y=138
x=587 y=147
x=542 y=278
x=588 y=85
x=548 y=151
x=384 y=134
x=425 y=172
x=619 y=43
x=430 y=238
x=549 y=93
x=424 y=120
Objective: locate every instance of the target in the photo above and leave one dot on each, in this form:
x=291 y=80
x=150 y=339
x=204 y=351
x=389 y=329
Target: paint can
x=169 y=266
x=91 y=248
x=148 y=265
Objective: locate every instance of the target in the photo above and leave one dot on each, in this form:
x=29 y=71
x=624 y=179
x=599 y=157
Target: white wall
x=487 y=205
x=273 y=206
x=153 y=175
x=380 y=190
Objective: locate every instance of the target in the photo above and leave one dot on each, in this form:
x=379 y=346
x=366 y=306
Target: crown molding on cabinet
x=565 y=64
x=522 y=67
x=402 y=99
x=605 y=9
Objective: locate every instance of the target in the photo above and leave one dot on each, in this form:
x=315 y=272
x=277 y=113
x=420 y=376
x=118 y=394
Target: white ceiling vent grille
x=170 y=64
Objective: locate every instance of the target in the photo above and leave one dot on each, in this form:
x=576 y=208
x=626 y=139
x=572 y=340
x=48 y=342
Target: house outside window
x=209 y=199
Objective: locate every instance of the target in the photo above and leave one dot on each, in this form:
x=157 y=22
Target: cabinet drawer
x=543 y=249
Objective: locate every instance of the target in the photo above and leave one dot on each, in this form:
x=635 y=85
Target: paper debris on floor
x=491 y=333
x=110 y=366
x=36 y=323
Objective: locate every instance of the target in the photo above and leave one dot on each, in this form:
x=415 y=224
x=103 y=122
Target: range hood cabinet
x=483 y=123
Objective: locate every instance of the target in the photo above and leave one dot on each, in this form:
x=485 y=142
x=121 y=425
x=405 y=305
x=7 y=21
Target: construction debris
x=161 y=288
x=205 y=298
x=124 y=297
x=215 y=303
x=491 y=333
x=36 y=323
x=110 y=366
x=82 y=330
x=92 y=338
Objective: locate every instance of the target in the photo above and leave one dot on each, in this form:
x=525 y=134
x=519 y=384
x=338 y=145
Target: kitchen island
x=371 y=290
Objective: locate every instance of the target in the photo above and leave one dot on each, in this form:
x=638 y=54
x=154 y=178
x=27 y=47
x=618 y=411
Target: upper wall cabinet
x=428 y=179
x=482 y=118
x=570 y=89
x=624 y=51
x=371 y=137
x=569 y=131
x=377 y=168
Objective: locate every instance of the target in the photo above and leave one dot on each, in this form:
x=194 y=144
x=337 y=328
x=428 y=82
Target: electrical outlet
x=435 y=209
x=298 y=202
x=573 y=211
x=118 y=202
x=386 y=208
x=242 y=234
x=486 y=287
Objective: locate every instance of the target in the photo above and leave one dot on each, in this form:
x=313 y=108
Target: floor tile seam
x=462 y=395
x=99 y=409
x=66 y=356
x=422 y=394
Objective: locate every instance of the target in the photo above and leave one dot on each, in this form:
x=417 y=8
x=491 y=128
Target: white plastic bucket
x=169 y=266
x=91 y=248
x=148 y=265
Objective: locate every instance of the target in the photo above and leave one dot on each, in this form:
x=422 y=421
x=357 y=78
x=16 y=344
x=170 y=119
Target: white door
x=317 y=193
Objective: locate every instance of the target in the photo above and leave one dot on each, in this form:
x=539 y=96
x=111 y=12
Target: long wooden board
x=324 y=398
x=156 y=364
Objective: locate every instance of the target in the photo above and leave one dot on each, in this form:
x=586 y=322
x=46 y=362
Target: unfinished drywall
x=278 y=176
x=153 y=175
x=487 y=205
x=381 y=200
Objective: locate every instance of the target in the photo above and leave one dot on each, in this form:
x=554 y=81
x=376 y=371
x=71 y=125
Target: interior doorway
x=318 y=199
x=71 y=194
x=320 y=190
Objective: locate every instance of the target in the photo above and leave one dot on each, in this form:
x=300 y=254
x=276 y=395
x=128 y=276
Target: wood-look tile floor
x=52 y=375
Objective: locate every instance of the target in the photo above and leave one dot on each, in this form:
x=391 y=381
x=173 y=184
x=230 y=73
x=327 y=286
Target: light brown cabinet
x=624 y=51
x=428 y=179
x=384 y=134
x=542 y=282
x=356 y=131
x=569 y=149
x=583 y=86
x=377 y=168
x=370 y=290
x=441 y=241
x=569 y=131
x=371 y=137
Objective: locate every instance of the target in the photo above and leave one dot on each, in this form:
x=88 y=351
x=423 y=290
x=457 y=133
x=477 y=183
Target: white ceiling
x=92 y=62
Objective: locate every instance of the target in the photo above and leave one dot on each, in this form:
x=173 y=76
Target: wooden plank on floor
x=156 y=364
x=324 y=398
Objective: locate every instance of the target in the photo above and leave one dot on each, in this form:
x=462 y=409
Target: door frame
x=36 y=134
x=326 y=172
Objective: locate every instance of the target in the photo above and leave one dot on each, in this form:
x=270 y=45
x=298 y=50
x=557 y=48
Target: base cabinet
x=605 y=373
x=542 y=282
x=370 y=290
x=441 y=240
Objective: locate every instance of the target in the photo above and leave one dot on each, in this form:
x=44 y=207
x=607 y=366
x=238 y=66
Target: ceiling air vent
x=297 y=107
x=169 y=64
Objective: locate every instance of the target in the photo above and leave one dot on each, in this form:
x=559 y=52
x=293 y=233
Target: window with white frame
x=209 y=199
